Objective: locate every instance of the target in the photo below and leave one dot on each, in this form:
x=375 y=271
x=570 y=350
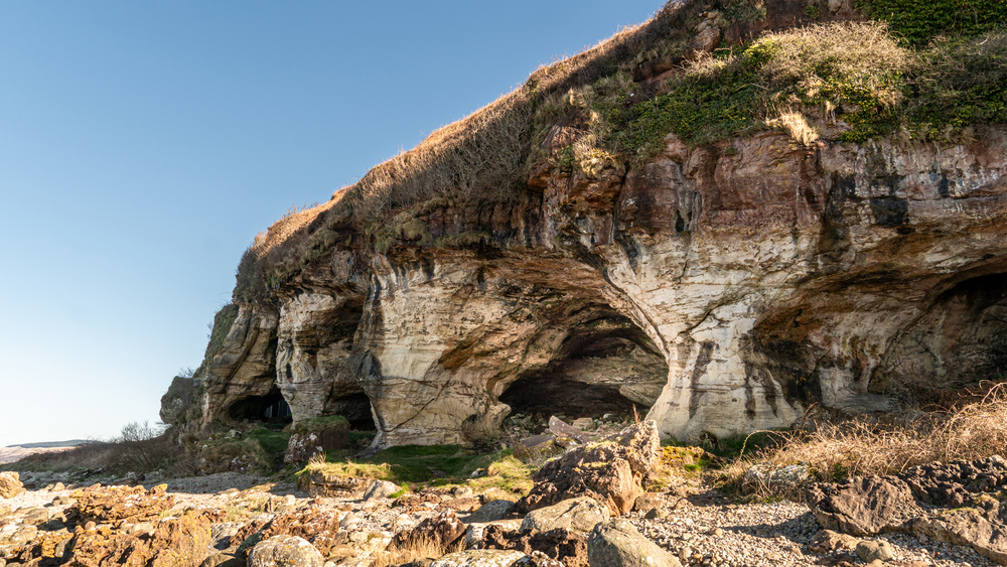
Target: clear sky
x=144 y=144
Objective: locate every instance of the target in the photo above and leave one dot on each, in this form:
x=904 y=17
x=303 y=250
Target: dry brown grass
x=423 y=548
x=837 y=57
x=797 y=126
x=869 y=445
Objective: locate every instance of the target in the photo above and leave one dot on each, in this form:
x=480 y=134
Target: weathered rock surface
x=490 y=512
x=576 y=514
x=479 y=558
x=961 y=498
x=10 y=484
x=565 y=546
x=610 y=471
x=758 y=280
x=619 y=544
x=284 y=551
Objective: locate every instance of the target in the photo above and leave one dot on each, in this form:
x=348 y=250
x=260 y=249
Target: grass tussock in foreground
x=878 y=445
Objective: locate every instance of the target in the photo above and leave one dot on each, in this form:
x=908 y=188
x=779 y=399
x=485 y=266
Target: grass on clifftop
x=922 y=70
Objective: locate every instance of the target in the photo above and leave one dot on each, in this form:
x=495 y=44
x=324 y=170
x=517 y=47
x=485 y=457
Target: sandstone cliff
x=532 y=257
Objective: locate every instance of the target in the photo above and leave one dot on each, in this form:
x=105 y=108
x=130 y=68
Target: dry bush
x=886 y=444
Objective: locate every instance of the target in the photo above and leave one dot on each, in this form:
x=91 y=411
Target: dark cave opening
x=605 y=365
x=960 y=339
x=271 y=408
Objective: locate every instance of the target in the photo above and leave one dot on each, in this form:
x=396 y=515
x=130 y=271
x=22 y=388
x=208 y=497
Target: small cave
x=606 y=365
x=271 y=408
x=356 y=408
x=960 y=339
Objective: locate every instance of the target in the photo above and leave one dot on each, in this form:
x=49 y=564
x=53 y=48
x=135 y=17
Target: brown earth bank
x=616 y=500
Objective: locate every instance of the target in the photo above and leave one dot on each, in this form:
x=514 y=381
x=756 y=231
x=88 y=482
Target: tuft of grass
x=418 y=549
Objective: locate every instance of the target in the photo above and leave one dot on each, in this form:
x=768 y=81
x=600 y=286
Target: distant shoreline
x=48 y=444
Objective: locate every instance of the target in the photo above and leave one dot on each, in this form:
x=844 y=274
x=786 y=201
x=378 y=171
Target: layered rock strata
x=727 y=287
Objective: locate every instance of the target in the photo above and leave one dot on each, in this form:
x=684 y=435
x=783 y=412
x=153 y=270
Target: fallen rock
x=618 y=544
x=284 y=551
x=610 y=471
x=871 y=550
x=864 y=506
x=490 y=512
x=962 y=501
x=562 y=545
x=10 y=484
x=381 y=489
x=647 y=502
x=313 y=437
x=827 y=541
x=576 y=514
x=561 y=429
x=479 y=558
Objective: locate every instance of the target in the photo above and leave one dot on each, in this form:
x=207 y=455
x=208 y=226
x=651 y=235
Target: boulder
x=576 y=514
x=490 y=512
x=564 y=545
x=10 y=484
x=381 y=489
x=479 y=558
x=961 y=498
x=284 y=551
x=871 y=550
x=314 y=436
x=618 y=544
x=610 y=471
x=827 y=541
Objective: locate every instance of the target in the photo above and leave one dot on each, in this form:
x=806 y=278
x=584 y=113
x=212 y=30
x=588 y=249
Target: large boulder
x=618 y=544
x=10 y=484
x=962 y=504
x=490 y=512
x=576 y=514
x=562 y=545
x=284 y=551
x=312 y=437
x=443 y=530
x=610 y=471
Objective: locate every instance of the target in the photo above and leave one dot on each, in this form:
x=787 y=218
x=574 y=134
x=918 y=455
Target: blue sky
x=144 y=144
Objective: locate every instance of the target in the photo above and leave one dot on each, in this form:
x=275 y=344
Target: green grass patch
x=272 y=441
x=437 y=465
x=917 y=22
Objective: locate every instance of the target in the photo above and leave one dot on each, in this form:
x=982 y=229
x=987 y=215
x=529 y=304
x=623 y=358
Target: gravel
x=773 y=534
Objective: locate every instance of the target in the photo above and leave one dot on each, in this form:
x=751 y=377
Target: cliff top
x=701 y=70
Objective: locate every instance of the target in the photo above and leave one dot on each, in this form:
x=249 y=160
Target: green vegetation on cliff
x=916 y=70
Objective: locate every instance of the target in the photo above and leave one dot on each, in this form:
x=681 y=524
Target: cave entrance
x=605 y=365
x=271 y=408
x=961 y=339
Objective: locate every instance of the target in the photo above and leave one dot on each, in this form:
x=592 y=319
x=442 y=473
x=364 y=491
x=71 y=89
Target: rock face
x=963 y=499
x=716 y=289
x=10 y=484
x=609 y=472
x=725 y=287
